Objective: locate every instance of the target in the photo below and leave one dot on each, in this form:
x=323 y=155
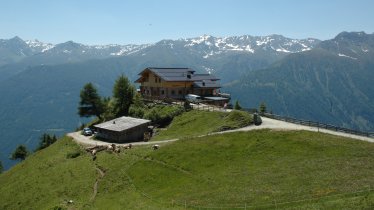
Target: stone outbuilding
x=123 y=129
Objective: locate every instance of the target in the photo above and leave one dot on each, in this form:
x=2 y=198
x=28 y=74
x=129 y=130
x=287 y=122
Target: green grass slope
x=195 y=123
x=48 y=179
x=260 y=169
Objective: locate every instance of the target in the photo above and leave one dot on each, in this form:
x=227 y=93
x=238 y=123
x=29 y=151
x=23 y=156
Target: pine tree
x=262 y=108
x=237 y=105
x=45 y=141
x=90 y=103
x=1 y=167
x=138 y=100
x=20 y=153
x=137 y=108
x=123 y=95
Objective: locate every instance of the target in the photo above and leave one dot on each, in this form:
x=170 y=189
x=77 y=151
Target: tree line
x=21 y=152
x=106 y=108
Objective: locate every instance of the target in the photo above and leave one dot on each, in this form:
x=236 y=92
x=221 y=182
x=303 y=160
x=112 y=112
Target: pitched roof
x=206 y=84
x=122 y=123
x=178 y=74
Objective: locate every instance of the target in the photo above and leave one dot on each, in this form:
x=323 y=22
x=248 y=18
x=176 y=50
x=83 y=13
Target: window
x=162 y=92
x=155 y=79
x=180 y=92
x=172 y=92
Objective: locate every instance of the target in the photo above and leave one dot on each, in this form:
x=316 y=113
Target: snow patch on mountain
x=129 y=49
x=342 y=55
x=283 y=50
x=40 y=46
x=364 y=49
x=209 y=46
x=264 y=41
x=209 y=70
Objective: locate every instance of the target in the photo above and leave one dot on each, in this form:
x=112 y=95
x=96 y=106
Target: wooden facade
x=157 y=83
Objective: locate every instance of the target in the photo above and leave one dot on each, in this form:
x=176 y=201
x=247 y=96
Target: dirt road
x=267 y=123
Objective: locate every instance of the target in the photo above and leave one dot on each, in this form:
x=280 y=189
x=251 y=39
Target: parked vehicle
x=257 y=119
x=87 y=132
x=193 y=98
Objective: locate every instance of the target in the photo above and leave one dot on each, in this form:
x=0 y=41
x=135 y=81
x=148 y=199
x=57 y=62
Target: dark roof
x=122 y=123
x=206 y=84
x=178 y=74
x=200 y=77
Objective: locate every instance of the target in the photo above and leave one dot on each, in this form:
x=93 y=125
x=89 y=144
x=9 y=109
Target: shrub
x=21 y=152
x=163 y=115
x=137 y=112
x=236 y=119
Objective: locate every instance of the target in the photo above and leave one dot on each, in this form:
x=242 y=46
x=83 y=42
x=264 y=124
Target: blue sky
x=149 y=21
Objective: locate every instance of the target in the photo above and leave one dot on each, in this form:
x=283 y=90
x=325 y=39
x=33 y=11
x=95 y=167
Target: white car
x=87 y=131
x=193 y=98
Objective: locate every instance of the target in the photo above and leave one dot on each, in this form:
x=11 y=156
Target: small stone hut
x=123 y=129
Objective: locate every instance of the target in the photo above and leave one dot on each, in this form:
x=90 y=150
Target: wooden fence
x=206 y=107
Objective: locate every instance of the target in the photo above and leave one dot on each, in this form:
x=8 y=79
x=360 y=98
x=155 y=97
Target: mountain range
x=327 y=81
x=330 y=83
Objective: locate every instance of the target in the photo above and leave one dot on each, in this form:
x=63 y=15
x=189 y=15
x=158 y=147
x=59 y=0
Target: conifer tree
x=262 y=108
x=137 y=108
x=123 y=95
x=45 y=141
x=237 y=105
x=20 y=153
x=90 y=103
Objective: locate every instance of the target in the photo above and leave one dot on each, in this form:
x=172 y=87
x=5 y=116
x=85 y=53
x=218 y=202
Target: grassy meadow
x=260 y=169
x=195 y=123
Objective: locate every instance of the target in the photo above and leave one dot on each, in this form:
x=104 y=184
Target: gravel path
x=88 y=141
x=281 y=125
x=267 y=123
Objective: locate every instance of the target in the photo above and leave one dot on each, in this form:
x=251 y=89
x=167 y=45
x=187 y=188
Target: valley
x=305 y=79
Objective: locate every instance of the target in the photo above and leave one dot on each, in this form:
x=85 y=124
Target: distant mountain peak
x=16 y=38
x=351 y=35
x=350 y=45
x=208 y=46
x=39 y=46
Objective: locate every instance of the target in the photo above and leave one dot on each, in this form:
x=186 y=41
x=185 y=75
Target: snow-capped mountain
x=70 y=47
x=350 y=45
x=38 y=46
x=16 y=50
x=209 y=46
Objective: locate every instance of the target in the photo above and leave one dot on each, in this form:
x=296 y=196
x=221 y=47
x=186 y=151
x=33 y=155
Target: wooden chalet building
x=175 y=83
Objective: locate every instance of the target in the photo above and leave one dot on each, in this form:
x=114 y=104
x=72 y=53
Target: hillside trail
x=267 y=123
x=101 y=175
